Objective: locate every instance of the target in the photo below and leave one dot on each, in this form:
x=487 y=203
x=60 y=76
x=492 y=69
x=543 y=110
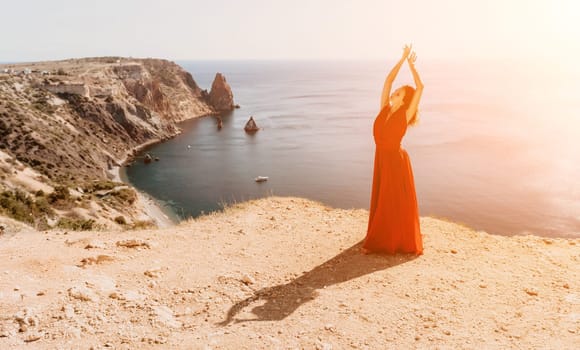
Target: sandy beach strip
x=153 y=210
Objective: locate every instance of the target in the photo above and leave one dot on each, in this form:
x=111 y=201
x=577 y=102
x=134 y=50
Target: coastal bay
x=231 y=175
x=67 y=126
x=477 y=157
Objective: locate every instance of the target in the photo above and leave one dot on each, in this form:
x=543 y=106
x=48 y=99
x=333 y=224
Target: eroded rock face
x=221 y=96
x=70 y=128
x=65 y=133
x=165 y=88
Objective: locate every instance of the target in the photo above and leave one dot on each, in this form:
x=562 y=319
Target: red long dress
x=394 y=214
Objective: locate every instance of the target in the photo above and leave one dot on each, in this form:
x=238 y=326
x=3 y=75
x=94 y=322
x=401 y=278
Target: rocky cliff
x=65 y=124
x=221 y=96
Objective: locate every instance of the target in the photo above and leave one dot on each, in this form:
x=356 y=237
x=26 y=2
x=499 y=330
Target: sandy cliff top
x=282 y=273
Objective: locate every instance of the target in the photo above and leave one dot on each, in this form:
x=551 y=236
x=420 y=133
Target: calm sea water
x=498 y=146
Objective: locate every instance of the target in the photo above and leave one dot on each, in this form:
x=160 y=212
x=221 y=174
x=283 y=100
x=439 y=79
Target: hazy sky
x=297 y=29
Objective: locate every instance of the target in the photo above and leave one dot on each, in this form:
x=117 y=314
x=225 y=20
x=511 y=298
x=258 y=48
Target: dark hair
x=409 y=92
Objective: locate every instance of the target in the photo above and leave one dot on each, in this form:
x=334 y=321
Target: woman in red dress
x=394 y=215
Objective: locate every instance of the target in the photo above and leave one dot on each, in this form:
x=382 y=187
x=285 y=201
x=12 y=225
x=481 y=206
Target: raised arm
x=391 y=77
x=414 y=105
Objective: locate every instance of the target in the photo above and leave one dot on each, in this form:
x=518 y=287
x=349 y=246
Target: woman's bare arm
x=414 y=105
x=391 y=77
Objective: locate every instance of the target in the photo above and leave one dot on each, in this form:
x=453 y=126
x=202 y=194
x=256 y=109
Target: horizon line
x=278 y=59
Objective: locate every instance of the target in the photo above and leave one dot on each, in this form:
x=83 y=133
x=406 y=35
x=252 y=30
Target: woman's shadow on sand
x=282 y=300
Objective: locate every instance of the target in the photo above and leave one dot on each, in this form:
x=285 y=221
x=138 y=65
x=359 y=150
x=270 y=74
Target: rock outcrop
x=221 y=96
x=69 y=126
x=251 y=125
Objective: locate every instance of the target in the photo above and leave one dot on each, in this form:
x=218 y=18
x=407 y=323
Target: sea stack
x=251 y=125
x=221 y=96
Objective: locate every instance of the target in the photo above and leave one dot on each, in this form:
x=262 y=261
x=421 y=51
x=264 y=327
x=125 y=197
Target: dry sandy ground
x=285 y=273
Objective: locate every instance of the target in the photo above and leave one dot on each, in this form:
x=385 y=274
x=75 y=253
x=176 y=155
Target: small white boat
x=261 y=179
x=188 y=146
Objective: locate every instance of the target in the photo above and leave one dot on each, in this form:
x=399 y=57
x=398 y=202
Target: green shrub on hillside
x=76 y=224
x=126 y=195
x=22 y=207
x=60 y=198
x=101 y=185
x=60 y=193
x=16 y=205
